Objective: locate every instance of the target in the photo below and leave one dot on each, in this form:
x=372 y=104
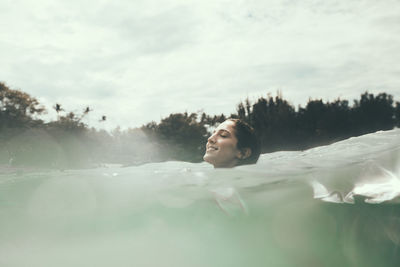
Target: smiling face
x=221 y=148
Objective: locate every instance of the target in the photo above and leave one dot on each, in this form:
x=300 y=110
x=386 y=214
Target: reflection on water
x=328 y=206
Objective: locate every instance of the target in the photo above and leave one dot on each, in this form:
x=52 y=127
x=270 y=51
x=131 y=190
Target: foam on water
x=327 y=206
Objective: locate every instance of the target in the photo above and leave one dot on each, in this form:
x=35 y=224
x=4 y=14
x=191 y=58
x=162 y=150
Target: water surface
x=328 y=206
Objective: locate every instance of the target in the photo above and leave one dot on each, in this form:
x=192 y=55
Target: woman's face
x=221 y=150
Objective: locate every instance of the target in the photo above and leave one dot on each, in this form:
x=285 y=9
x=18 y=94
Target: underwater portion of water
x=329 y=206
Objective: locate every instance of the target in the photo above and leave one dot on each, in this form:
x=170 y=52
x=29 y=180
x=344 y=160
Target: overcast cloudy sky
x=140 y=60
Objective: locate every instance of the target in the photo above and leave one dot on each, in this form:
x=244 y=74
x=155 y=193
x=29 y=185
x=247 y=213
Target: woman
x=233 y=143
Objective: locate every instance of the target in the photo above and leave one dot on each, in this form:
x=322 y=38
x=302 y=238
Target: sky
x=138 y=61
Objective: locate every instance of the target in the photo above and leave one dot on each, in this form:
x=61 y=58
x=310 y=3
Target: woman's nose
x=211 y=139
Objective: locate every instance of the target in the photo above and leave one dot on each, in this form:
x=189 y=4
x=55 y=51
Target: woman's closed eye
x=224 y=134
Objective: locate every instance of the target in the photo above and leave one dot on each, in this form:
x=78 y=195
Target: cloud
x=138 y=61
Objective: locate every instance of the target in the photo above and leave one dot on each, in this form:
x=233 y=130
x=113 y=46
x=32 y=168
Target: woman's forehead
x=227 y=125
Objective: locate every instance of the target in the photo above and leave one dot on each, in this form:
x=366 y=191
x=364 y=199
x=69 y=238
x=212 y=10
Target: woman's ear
x=245 y=153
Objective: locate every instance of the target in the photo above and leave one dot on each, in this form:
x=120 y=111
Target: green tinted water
x=179 y=214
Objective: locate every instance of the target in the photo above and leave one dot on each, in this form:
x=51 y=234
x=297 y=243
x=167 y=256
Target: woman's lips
x=212 y=148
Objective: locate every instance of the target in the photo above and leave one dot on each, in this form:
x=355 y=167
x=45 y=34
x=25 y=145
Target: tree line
x=67 y=142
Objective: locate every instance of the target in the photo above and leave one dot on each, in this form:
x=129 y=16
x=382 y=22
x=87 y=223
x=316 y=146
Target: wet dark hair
x=247 y=138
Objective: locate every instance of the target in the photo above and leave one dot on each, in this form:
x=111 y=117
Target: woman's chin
x=209 y=158
x=206 y=158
